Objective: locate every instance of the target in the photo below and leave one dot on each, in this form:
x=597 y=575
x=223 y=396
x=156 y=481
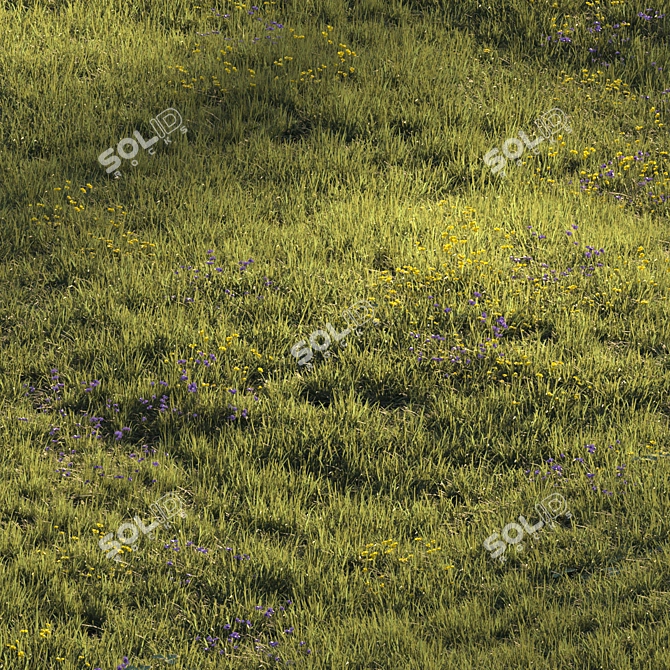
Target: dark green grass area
x=331 y=152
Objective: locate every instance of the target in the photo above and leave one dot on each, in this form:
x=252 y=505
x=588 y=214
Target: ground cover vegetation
x=331 y=152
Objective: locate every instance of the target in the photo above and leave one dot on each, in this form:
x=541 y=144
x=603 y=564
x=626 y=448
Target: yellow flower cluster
x=58 y=209
x=129 y=237
x=280 y=62
x=379 y=559
x=630 y=166
x=596 y=81
x=344 y=52
x=15 y=647
x=230 y=341
x=461 y=260
x=44 y=634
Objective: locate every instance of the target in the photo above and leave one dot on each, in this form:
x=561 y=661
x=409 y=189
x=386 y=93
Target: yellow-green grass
x=361 y=491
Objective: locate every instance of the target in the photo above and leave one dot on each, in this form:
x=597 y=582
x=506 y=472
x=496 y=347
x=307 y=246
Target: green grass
x=354 y=184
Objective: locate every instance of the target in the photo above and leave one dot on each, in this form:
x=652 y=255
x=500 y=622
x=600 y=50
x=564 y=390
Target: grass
x=518 y=347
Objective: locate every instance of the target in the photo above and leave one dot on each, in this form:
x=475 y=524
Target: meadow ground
x=335 y=515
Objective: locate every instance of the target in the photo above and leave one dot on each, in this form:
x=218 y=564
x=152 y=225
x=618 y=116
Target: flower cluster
x=460 y=354
x=261 y=633
x=630 y=178
x=58 y=214
x=380 y=560
x=584 y=466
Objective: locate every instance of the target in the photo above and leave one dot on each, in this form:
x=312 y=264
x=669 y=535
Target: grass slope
x=334 y=516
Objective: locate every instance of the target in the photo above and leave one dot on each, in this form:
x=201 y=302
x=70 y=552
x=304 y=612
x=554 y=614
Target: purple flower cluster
x=608 y=171
x=593 y=252
x=265 y=638
x=239 y=557
x=588 y=270
x=91 y=385
x=557 y=470
x=234 y=416
x=47 y=401
x=96 y=426
x=608 y=41
x=204 y=283
x=162 y=404
x=174 y=545
x=554 y=275
x=560 y=36
x=65 y=471
x=210 y=644
x=534 y=233
x=460 y=354
x=499 y=326
x=649 y=17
